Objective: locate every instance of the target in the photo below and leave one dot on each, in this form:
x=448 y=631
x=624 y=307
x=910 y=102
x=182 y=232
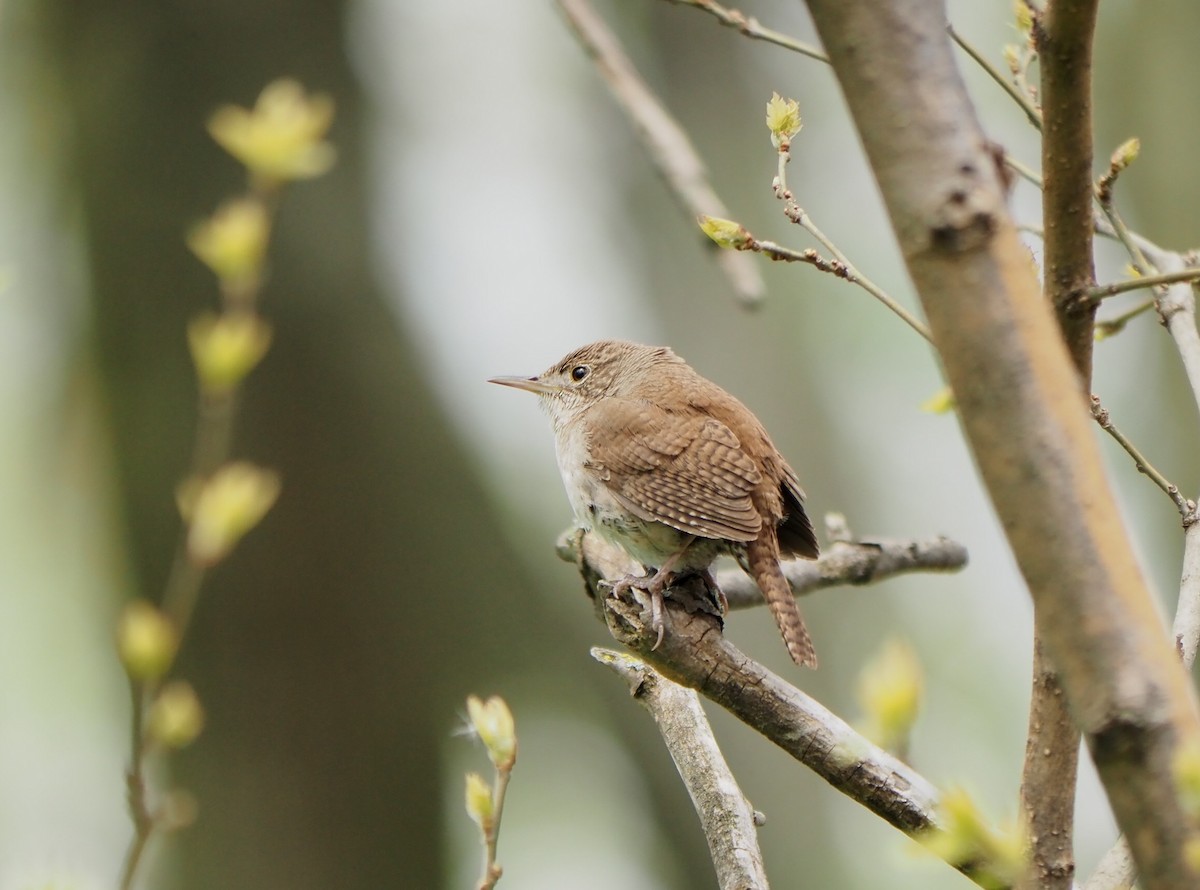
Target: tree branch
x=844 y=562
x=1031 y=111
x=665 y=141
x=1186 y=275
x=725 y=815
x=1048 y=778
x=749 y=26
x=1020 y=403
x=1186 y=508
x=1177 y=307
x=850 y=562
x=695 y=654
x=1063 y=35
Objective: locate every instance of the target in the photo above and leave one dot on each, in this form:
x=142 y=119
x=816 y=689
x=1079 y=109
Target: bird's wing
x=796 y=535
x=686 y=471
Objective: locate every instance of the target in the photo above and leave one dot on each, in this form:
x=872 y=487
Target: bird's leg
x=654 y=585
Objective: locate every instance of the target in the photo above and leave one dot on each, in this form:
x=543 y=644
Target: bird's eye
x=579 y=372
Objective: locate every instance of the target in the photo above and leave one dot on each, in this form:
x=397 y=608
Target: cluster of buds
x=492 y=723
x=998 y=857
x=783 y=122
x=279 y=140
x=147 y=642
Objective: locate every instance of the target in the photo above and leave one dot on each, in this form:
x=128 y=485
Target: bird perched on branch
x=676 y=471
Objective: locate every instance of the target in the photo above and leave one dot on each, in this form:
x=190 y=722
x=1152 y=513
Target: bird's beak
x=529 y=384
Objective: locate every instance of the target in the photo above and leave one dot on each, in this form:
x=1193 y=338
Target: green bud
x=226 y=348
x=480 y=806
x=1024 y=17
x=998 y=857
x=233 y=241
x=725 y=232
x=146 y=641
x=941 y=402
x=175 y=717
x=282 y=137
x=889 y=692
x=493 y=723
x=1126 y=153
x=223 y=508
x=783 y=120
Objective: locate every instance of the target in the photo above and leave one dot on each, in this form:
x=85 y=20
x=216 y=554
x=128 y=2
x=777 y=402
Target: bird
x=676 y=471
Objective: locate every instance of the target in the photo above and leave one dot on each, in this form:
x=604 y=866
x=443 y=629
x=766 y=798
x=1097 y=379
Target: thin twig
x=1023 y=170
x=1185 y=507
x=843 y=562
x=1112 y=326
x=666 y=143
x=1126 y=237
x=491 y=870
x=1031 y=111
x=1124 y=287
x=749 y=26
x=854 y=276
x=855 y=563
x=725 y=815
x=135 y=787
x=840 y=265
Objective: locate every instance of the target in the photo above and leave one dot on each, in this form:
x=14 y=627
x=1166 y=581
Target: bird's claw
x=653 y=586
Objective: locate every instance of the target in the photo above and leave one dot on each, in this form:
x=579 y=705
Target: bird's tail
x=762 y=562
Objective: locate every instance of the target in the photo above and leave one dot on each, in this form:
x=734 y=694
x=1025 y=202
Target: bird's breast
x=597 y=509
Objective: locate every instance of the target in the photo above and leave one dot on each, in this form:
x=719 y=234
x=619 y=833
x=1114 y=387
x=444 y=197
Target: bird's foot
x=653 y=586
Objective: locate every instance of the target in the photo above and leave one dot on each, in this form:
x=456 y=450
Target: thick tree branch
x=725 y=815
x=665 y=141
x=1022 y=409
x=1063 y=36
x=1048 y=778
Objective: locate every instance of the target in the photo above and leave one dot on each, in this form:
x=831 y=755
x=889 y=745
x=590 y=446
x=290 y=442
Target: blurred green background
x=490 y=210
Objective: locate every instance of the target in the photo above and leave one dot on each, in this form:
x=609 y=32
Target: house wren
x=676 y=471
